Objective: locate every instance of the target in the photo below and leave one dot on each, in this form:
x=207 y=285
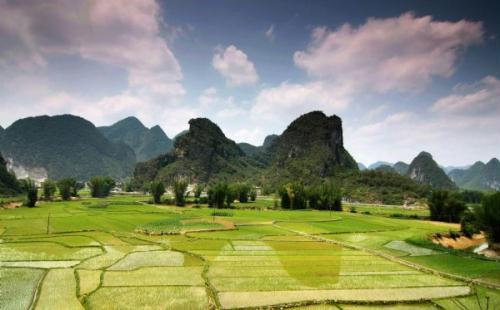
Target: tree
x=469 y=224
x=31 y=193
x=198 y=189
x=49 y=188
x=446 y=206
x=101 y=187
x=179 y=187
x=284 y=197
x=488 y=215
x=243 y=192
x=293 y=195
x=231 y=194
x=217 y=195
x=253 y=194
x=330 y=197
x=157 y=189
x=67 y=188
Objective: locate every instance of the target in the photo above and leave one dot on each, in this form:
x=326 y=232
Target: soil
x=464 y=243
x=12 y=205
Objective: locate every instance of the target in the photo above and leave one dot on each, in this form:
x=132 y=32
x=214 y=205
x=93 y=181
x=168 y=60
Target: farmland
x=121 y=253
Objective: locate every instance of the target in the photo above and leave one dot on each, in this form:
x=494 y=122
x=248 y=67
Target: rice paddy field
x=120 y=253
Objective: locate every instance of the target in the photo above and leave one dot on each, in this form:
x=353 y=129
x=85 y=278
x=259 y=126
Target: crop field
x=120 y=253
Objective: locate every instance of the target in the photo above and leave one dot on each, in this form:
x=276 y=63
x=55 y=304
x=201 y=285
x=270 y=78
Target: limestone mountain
x=377 y=164
x=385 y=168
x=479 y=176
x=269 y=141
x=8 y=182
x=146 y=143
x=203 y=154
x=401 y=167
x=64 y=146
x=424 y=170
x=310 y=148
x=361 y=166
x=249 y=149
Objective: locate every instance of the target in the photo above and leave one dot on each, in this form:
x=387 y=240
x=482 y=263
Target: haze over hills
x=424 y=170
x=63 y=146
x=146 y=143
x=479 y=176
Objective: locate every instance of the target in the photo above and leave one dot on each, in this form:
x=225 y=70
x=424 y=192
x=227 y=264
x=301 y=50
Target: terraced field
x=96 y=254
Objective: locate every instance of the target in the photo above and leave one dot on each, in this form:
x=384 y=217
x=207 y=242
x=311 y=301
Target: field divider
x=397 y=260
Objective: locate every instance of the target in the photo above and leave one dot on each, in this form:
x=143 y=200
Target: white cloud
x=480 y=98
x=121 y=33
x=234 y=65
x=270 y=33
x=287 y=101
x=401 y=53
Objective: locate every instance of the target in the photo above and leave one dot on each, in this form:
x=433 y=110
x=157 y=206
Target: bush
x=31 y=193
x=285 y=198
x=179 y=188
x=352 y=209
x=468 y=224
x=446 y=206
x=67 y=188
x=157 y=189
x=488 y=215
x=221 y=213
x=243 y=190
x=49 y=189
x=100 y=187
x=231 y=194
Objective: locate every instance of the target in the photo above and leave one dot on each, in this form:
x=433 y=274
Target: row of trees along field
x=475 y=211
x=67 y=188
x=219 y=195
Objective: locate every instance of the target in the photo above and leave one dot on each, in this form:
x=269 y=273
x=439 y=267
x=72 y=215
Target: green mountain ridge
x=146 y=143
x=401 y=167
x=8 y=183
x=424 y=170
x=479 y=176
x=65 y=146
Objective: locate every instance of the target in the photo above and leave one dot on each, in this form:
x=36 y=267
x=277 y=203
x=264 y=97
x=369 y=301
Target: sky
x=404 y=76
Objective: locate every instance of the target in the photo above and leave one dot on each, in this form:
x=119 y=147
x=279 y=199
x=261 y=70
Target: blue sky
x=404 y=76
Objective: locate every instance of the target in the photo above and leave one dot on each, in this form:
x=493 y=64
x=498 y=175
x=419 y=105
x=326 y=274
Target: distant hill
x=269 y=141
x=449 y=169
x=8 y=183
x=249 y=149
x=479 y=176
x=386 y=168
x=64 y=146
x=377 y=164
x=311 y=147
x=146 y=143
x=424 y=170
x=203 y=154
x=401 y=167
x=361 y=166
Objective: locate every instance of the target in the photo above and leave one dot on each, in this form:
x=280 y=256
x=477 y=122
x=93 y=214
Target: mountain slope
x=361 y=166
x=424 y=170
x=479 y=176
x=64 y=146
x=401 y=167
x=146 y=143
x=8 y=182
x=310 y=148
x=203 y=154
x=377 y=164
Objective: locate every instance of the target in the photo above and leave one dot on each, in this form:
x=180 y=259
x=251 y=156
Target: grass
x=59 y=291
x=94 y=257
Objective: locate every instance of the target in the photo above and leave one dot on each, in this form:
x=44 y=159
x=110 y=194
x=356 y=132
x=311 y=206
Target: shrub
x=100 y=187
x=488 y=215
x=446 y=206
x=157 y=189
x=49 y=189
x=67 y=187
x=231 y=194
x=352 y=209
x=468 y=224
x=31 y=193
x=221 y=213
x=285 y=198
x=243 y=190
x=179 y=188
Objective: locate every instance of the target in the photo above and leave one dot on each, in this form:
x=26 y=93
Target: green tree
x=284 y=197
x=330 y=197
x=198 y=189
x=31 y=193
x=101 y=187
x=217 y=195
x=231 y=194
x=253 y=194
x=243 y=192
x=157 y=189
x=446 y=206
x=49 y=188
x=488 y=215
x=179 y=187
x=67 y=188
x=297 y=195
